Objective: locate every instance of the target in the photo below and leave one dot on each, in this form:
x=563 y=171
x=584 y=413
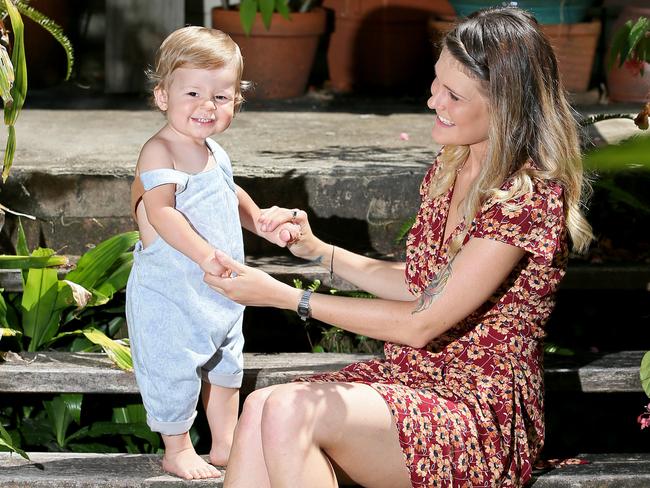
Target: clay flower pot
x=278 y=60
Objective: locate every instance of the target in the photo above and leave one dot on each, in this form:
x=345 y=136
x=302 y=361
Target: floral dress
x=469 y=406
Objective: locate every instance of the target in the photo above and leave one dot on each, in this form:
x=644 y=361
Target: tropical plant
x=57 y=425
x=13 y=71
x=631 y=48
x=49 y=308
x=248 y=9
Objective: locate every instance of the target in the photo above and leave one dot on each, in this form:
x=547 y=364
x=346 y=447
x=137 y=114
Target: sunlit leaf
x=98 y=262
x=645 y=373
x=117 y=352
x=7 y=441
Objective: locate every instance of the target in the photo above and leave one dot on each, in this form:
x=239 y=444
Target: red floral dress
x=469 y=406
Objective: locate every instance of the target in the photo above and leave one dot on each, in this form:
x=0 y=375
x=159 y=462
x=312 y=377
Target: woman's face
x=462 y=114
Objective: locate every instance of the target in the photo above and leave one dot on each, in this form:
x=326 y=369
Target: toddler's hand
x=284 y=234
x=214 y=267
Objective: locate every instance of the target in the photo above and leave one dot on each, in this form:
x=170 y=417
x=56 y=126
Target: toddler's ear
x=160 y=95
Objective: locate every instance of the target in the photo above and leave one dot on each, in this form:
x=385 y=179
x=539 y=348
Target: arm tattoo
x=434 y=290
x=318 y=260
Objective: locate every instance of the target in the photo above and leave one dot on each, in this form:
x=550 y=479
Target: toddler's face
x=199 y=102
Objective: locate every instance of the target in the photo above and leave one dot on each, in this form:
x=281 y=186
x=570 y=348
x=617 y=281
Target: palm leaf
x=62 y=410
x=117 y=352
x=19 y=89
x=40 y=296
x=7 y=441
x=53 y=28
x=96 y=263
x=31 y=262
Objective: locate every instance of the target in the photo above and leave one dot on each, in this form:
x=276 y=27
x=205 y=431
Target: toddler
x=185 y=338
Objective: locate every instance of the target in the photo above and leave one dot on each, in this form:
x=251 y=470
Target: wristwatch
x=304 y=310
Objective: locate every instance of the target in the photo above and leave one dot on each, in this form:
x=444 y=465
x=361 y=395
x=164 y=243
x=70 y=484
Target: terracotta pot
x=574 y=46
x=623 y=85
x=381 y=44
x=575 y=49
x=278 y=61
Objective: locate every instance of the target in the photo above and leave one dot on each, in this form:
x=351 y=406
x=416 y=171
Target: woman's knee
x=287 y=410
x=252 y=410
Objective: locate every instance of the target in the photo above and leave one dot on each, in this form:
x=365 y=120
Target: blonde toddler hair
x=198 y=47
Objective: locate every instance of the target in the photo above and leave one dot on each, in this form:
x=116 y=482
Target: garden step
x=286 y=269
x=602 y=471
x=350 y=170
x=62 y=372
x=89 y=470
x=46 y=470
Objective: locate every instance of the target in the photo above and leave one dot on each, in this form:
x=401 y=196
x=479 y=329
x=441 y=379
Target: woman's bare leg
x=304 y=425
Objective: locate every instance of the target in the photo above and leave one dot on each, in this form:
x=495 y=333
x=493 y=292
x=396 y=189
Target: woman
x=458 y=399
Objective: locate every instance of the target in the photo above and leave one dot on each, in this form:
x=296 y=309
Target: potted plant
x=628 y=74
x=278 y=39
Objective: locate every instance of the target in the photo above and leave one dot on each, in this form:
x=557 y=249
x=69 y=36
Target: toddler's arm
x=170 y=224
x=249 y=214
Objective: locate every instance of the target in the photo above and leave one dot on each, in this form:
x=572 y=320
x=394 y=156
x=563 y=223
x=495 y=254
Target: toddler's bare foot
x=187 y=464
x=219 y=454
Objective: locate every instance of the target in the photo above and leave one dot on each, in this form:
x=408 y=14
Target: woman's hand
x=250 y=286
x=306 y=245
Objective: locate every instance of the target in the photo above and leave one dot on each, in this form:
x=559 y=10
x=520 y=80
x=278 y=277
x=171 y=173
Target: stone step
x=286 y=269
x=89 y=470
x=73 y=169
x=63 y=372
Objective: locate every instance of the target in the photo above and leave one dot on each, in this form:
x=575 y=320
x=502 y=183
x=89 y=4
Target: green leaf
x=618 y=194
x=117 y=280
x=22 y=248
x=31 y=262
x=6 y=76
x=633 y=153
x=140 y=430
x=638 y=31
x=3 y=318
x=266 y=9
x=620 y=45
x=19 y=88
x=62 y=410
x=40 y=318
x=98 y=262
x=54 y=29
x=247 y=12
x=9 y=332
x=10 y=149
x=644 y=373
x=404 y=230
x=117 y=352
x=131 y=414
x=7 y=441
x=282 y=7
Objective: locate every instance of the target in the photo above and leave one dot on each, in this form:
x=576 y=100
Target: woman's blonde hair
x=198 y=47
x=530 y=118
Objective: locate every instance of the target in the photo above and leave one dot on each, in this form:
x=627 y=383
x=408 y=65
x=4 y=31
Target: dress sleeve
x=533 y=222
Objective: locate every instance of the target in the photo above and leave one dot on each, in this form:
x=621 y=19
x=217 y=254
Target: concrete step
x=73 y=169
x=601 y=471
x=77 y=470
x=287 y=268
x=89 y=470
x=62 y=372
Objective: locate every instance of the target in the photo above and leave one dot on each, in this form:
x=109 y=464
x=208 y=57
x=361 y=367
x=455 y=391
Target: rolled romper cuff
x=170 y=428
x=225 y=380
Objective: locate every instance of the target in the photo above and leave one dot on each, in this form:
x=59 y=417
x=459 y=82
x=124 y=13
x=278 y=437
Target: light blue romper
x=181 y=330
